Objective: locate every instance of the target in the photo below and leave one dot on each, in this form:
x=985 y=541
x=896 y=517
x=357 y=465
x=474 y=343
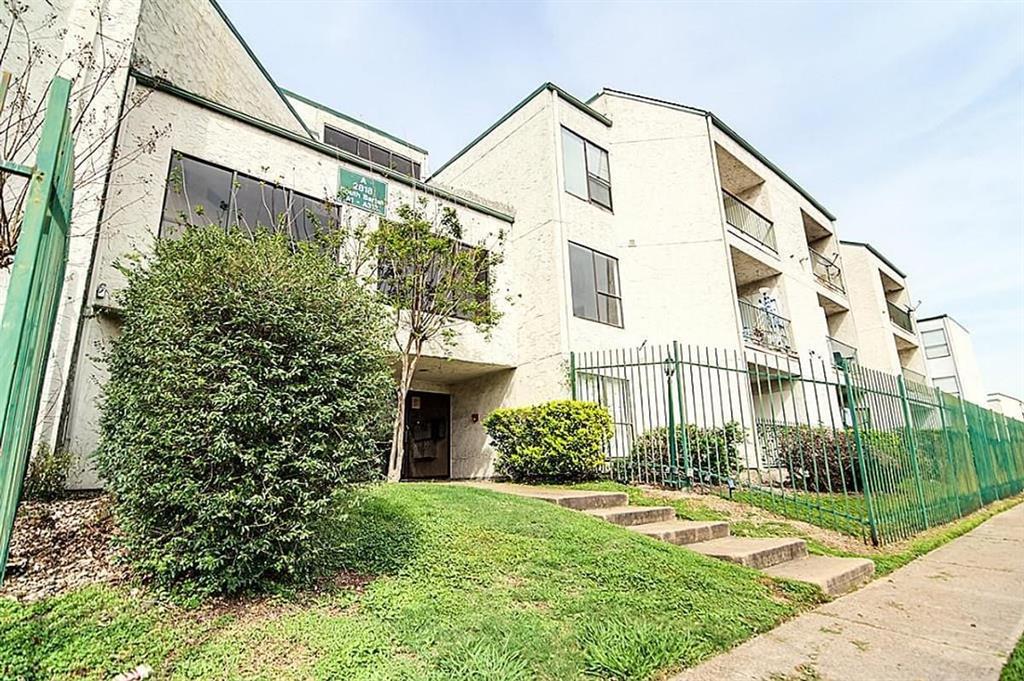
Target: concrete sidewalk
x=953 y=614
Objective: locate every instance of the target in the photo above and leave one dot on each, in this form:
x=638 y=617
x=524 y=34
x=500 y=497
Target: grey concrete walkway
x=953 y=614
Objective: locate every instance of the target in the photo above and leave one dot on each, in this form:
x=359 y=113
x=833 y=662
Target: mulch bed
x=61 y=545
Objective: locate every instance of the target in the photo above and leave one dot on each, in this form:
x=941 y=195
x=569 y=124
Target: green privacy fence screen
x=30 y=309
x=822 y=440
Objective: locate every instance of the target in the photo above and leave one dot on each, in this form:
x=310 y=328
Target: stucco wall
x=134 y=218
x=188 y=43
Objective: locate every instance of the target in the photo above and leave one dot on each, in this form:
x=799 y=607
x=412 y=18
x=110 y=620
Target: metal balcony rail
x=744 y=218
x=767 y=329
x=914 y=376
x=900 y=317
x=841 y=350
x=827 y=271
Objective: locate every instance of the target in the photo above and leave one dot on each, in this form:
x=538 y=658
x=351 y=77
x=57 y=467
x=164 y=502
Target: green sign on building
x=363 y=192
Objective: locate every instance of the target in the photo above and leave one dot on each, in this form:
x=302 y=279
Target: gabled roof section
x=193 y=44
x=546 y=87
x=732 y=134
x=162 y=85
x=351 y=119
x=876 y=253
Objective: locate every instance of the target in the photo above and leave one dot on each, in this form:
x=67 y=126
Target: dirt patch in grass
x=58 y=546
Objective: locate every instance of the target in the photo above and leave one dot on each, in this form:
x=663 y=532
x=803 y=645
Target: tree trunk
x=409 y=360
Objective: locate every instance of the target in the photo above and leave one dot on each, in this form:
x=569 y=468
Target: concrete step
x=752 y=552
x=628 y=516
x=832 y=575
x=576 y=499
x=684 y=531
x=591 y=500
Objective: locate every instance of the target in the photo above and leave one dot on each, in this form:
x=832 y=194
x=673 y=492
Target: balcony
x=914 y=377
x=827 y=271
x=767 y=329
x=841 y=350
x=744 y=218
x=900 y=317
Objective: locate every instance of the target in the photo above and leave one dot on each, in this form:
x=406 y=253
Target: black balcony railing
x=827 y=271
x=841 y=350
x=901 y=317
x=744 y=218
x=767 y=329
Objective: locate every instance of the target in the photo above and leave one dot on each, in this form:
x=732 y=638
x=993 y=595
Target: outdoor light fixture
x=101 y=292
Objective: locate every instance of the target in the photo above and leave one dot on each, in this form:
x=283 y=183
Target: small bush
x=561 y=441
x=712 y=453
x=47 y=473
x=816 y=459
x=249 y=383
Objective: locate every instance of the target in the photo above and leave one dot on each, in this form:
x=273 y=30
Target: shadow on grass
x=371 y=535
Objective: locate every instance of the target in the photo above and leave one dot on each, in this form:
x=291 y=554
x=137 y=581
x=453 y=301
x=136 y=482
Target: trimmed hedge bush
x=817 y=459
x=561 y=441
x=249 y=383
x=713 y=453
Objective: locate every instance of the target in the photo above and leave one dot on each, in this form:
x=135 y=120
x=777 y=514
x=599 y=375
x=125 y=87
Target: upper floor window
x=595 y=285
x=371 y=152
x=201 y=193
x=401 y=283
x=935 y=343
x=587 y=173
x=947 y=384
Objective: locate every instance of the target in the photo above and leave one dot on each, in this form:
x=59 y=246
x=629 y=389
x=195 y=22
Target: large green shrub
x=250 y=382
x=561 y=441
x=712 y=453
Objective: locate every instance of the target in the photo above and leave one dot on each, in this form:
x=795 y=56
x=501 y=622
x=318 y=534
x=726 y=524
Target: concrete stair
x=779 y=557
x=633 y=516
x=753 y=552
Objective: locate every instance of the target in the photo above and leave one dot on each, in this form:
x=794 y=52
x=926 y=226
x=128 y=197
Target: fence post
x=865 y=482
x=682 y=408
x=949 y=450
x=572 y=374
x=912 y=446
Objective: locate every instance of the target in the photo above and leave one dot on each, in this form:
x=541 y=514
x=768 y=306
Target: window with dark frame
x=200 y=193
x=594 y=281
x=371 y=152
x=586 y=168
x=386 y=279
x=935 y=343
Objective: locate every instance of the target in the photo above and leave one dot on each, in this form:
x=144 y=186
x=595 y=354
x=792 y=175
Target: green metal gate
x=29 y=313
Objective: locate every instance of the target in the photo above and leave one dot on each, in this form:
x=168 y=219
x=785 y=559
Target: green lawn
x=1014 y=668
x=469 y=584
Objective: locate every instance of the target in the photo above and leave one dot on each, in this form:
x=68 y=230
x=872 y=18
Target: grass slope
x=1014 y=668
x=470 y=585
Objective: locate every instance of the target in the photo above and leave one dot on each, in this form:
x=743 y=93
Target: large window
x=948 y=384
x=388 y=283
x=201 y=193
x=595 y=285
x=587 y=173
x=935 y=343
x=371 y=152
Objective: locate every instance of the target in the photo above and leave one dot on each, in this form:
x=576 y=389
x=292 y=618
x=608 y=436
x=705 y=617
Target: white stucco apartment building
x=1007 y=405
x=949 y=355
x=887 y=332
x=630 y=221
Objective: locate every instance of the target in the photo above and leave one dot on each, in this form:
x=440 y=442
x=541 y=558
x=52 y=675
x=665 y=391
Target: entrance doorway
x=427 y=436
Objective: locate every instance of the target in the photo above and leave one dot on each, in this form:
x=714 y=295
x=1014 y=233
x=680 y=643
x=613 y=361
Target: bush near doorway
x=250 y=382
x=560 y=441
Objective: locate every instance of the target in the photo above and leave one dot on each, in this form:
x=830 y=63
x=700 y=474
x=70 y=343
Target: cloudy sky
x=905 y=120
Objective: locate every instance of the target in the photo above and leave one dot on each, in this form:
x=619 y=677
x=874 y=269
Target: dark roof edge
x=735 y=136
x=171 y=89
x=944 y=315
x=351 y=119
x=546 y=86
x=876 y=253
x=259 y=65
